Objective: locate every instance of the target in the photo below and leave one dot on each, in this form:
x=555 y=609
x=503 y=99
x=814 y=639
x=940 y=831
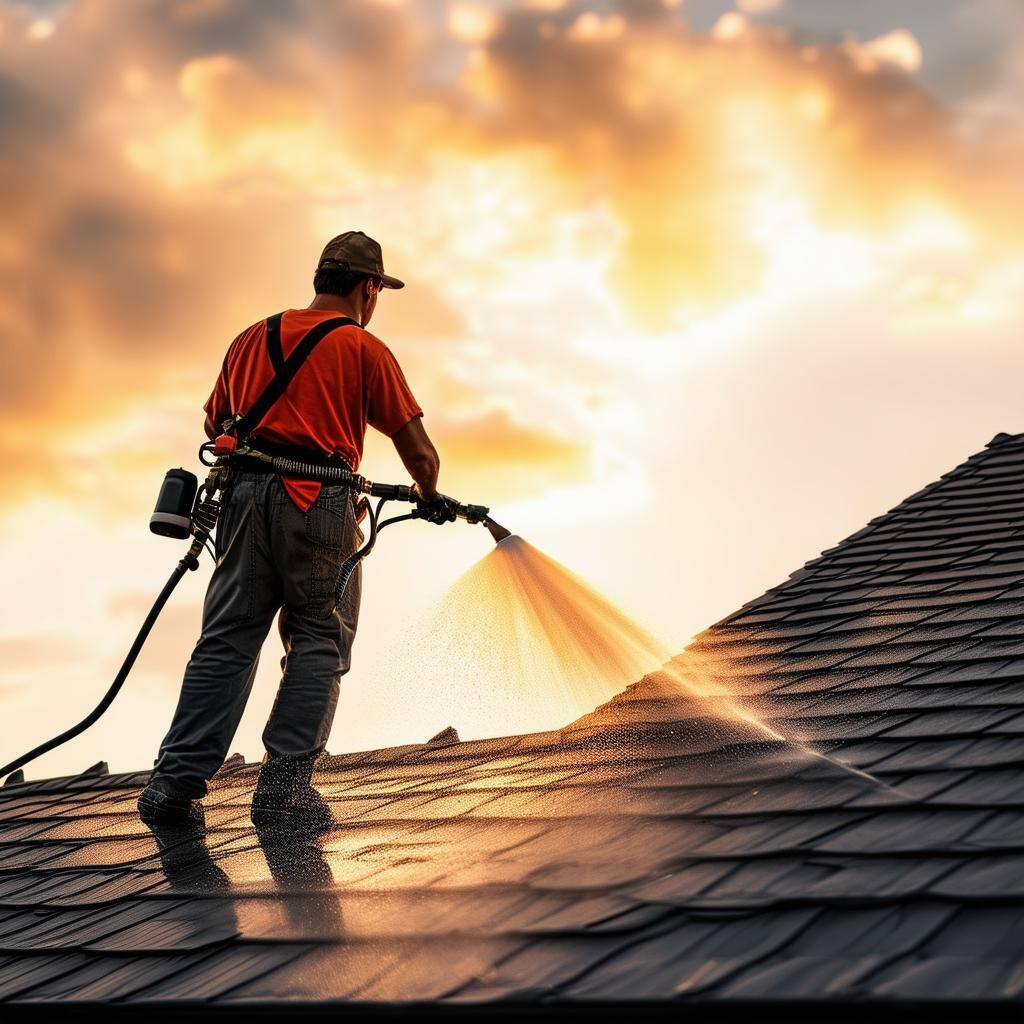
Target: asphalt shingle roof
x=708 y=850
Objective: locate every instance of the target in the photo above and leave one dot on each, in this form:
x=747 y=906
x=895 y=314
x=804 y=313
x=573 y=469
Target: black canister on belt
x=172 y=516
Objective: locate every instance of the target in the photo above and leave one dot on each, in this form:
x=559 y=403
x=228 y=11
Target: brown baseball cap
x=359 y=253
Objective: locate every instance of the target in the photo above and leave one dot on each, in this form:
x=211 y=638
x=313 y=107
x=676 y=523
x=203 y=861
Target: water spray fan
x=185 y=509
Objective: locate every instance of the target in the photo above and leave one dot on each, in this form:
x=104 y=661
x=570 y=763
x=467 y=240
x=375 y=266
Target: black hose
x=348 y=567
x=126 y=666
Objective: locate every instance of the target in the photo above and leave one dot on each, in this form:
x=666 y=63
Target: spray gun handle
x=472 y=514
x=393 y=492
x=404 y=492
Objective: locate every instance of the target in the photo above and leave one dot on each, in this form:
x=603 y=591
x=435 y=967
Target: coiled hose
x=348 y=567
x=326 y=472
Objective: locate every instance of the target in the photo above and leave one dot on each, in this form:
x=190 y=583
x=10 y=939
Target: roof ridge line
x=966 y=468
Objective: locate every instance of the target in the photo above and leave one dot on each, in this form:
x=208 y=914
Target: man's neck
x=337 y=304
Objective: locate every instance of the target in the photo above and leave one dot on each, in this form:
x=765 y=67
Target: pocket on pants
x=329 y=531
x=227 y=522
x=230 y=596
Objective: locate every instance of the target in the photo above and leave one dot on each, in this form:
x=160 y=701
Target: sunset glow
x=693 y=291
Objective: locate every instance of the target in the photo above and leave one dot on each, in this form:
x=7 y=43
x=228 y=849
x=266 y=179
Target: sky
x=694 y=290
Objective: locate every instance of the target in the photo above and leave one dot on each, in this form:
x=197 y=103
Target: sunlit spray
x=518 y=644
x=521 y=644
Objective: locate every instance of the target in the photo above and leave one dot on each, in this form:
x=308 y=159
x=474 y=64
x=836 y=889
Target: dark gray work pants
x=271 y=557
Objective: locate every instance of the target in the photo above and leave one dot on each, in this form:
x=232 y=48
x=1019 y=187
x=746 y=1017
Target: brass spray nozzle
x=498 y=532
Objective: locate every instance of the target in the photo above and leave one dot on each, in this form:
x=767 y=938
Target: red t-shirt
x=350 y=379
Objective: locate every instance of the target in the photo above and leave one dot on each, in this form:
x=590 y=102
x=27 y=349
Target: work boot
x=164 y=802
x=285 y=798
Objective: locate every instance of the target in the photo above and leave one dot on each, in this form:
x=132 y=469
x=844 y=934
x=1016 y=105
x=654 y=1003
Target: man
x=281 y=542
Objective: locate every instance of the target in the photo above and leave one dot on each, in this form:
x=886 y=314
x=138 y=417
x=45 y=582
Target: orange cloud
x=175 y=167
x=494 y=455
x=680 y=131
x=897 y=48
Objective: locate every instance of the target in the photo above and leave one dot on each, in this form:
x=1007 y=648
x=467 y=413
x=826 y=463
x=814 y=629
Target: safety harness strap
x=274 y=349
x=284 y=369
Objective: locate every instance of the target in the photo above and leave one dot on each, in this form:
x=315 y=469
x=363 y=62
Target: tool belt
x=302 y=463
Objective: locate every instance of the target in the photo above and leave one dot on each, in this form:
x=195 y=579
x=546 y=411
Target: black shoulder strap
x=274 y=349
x=285 y=369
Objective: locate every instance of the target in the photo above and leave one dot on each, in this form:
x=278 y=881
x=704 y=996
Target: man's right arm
x=394 y=411
x=419 y=456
